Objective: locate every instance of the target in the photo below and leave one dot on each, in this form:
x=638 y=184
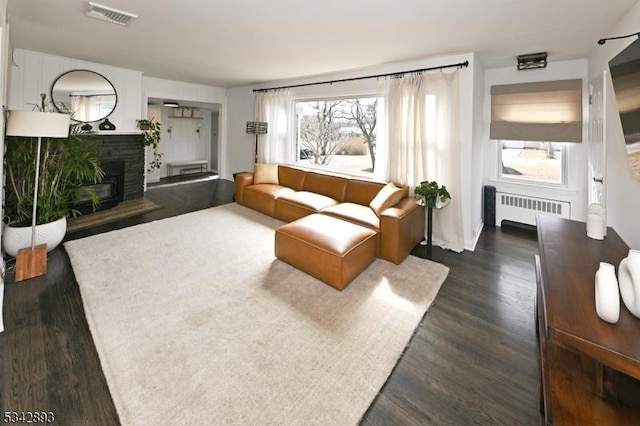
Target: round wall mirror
x=87 y=95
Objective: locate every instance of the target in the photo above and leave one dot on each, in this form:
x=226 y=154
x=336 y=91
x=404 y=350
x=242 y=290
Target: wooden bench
x=200 y=166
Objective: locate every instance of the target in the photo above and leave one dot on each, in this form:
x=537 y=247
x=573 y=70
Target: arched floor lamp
x=32 y=261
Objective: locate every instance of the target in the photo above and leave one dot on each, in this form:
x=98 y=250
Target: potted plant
x=152 y=134
x=65 y=166
x=432 y=195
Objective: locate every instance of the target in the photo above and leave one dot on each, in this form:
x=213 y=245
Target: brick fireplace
x=122 y=159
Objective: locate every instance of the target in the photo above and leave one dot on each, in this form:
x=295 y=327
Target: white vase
x=16 y=237
x=607 y=295
x=629 y=276
x=596 y=221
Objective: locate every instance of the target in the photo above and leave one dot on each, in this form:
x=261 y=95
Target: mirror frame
x=62 y=110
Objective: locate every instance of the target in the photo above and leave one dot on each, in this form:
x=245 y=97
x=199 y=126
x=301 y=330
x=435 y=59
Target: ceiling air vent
x=109 y=14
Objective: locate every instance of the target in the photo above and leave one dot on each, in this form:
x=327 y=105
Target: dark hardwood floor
x=471 y=361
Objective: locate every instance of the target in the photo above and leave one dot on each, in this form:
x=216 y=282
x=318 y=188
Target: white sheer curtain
x=422 y=134
x=81 y=107
x=274 y=107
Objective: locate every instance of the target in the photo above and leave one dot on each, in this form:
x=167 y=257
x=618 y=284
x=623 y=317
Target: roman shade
x=546 y=111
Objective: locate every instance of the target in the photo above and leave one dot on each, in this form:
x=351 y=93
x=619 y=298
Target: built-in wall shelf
x=187 y=118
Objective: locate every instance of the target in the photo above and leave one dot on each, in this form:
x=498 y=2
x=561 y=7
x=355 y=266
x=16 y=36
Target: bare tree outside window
x=319 y=132
x=365 y=115
x=338 y=133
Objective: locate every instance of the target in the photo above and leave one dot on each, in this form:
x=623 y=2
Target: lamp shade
x=257 y=127
x=36 y=123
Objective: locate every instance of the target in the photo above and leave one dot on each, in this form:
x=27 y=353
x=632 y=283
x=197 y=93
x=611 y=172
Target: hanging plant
x=152 y=135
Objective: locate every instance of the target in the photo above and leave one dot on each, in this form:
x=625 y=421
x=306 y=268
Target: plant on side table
x=152 y=135
x=66 y=165
x=432 y=195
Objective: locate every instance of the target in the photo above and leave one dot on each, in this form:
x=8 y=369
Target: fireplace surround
x=122 y=159
x=110 y=191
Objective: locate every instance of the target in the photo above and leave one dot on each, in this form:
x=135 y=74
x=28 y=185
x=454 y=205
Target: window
x=523 y=114
x=534 y=162
x=337 y=133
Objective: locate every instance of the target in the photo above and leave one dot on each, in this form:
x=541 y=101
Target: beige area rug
x=123 y=210
x=196 y=322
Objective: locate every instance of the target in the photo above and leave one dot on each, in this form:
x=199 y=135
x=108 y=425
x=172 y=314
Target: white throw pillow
x=388 y=196
x=265 y=173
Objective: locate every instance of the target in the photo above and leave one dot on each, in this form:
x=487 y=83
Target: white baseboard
x=471 y=244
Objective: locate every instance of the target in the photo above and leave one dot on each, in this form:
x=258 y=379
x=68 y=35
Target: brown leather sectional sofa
x=295 y=193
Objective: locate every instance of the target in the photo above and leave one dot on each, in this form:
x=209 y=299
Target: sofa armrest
x=401 y=229
x=242 y=180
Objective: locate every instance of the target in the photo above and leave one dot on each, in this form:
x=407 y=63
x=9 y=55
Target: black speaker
x=489 y=205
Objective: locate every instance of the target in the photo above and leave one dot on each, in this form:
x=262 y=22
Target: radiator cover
x=523 y=209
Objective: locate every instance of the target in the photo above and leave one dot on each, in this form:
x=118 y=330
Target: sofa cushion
x=361 y=191
x=262 y=197
x=291 y=177
x=330 y=186
x=265 y=173
x=355 y=213
x=309 y=200
x=388 y=196
x=296 y=205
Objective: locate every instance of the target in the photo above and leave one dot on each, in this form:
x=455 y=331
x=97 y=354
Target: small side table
x=425 y=249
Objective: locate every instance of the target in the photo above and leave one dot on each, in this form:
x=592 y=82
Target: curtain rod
x=391 y=74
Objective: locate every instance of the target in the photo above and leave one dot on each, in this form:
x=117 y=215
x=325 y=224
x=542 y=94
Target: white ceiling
x=242 y=42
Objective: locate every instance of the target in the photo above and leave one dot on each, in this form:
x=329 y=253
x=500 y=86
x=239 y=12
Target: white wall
x=33 y=73
x=476 y=157
x=576 y=190
x=622 y=189
x=239 y=155
x=241 y=109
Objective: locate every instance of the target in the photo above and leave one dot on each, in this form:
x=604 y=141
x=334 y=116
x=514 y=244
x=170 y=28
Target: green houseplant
x=152 y=134
x=65 y=166
x=432 y=194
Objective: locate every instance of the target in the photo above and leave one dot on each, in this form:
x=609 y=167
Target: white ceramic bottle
x=607 y=295
x=629 y=276
x=596 y=222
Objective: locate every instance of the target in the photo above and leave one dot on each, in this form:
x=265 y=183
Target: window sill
x=335 y=171
x=532 y=188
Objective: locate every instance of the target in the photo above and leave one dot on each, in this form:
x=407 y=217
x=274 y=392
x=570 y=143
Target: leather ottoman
x=332 y=250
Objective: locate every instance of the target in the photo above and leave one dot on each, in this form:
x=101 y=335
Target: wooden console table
x=590 y=369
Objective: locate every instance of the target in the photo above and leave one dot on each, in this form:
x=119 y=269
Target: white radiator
x=521 y=209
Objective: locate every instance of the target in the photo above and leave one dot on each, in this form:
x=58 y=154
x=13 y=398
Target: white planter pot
x=607 y=294
x=15 y=238
x=629 y=277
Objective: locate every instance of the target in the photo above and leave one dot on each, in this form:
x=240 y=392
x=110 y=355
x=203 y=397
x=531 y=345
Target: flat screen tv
x=625 y=74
